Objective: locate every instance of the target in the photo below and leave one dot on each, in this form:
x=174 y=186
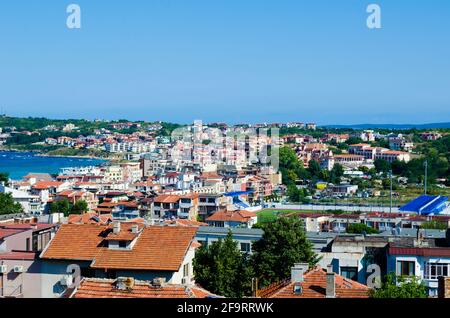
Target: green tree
x=290 y=167
x=283 y=244
x=360 y=228
x=435 y=225
x=61 y=206
x=4 y=177
x=79 y=207
x=223 y=269
x=314 y=169
x=354 y=141
x=8 y=205
x=336 y=174
x=382 y=165
x=400 y=287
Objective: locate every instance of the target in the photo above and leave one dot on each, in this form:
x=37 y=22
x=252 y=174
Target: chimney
x=116 y=227
x=419 y=238
x=135 y=229
x=331 y=282
x=298 y=271
x=158 y=282
x=124 y=283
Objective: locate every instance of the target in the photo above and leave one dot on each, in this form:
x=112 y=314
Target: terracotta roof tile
x=106 y=288
x=156 y=247
x=76 y=241
x=167 y=198
x=314 y=286
x=236 y=216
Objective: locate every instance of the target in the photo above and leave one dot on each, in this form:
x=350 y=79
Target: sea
x=19 y=164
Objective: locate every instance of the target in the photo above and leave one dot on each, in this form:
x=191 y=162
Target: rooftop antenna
x=426 y=175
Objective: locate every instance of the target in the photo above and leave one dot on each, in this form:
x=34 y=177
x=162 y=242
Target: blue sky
x=227 y=60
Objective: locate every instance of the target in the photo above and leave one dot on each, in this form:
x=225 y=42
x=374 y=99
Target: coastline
x=43 y=154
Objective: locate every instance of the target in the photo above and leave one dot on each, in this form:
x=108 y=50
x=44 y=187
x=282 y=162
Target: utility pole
x=390 y=208
x=426 y=175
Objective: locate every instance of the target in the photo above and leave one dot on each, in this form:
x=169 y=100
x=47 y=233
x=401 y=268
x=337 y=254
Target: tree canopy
x=64 y=206
x=360 y=228
x=8 y=205
x=222 y=269
x=400 y=287
x=4 y=177
x=283 y=244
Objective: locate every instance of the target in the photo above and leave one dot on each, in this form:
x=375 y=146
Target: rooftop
x=106 y=288
x=156 y=248
x=314 y=286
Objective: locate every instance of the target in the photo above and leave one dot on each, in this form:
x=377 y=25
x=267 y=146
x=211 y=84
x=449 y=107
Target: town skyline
x=256 y=61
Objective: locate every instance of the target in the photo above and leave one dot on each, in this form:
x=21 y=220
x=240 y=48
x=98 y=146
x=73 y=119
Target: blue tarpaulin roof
x=426 y=204
x=237 y=193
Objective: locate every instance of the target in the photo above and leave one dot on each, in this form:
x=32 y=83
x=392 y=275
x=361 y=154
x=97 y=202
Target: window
x=186 y=270
x=245 y=247
x=123 y=244
x=406 y=268
x=435 y=270
x=350 y=273
x=28 y=247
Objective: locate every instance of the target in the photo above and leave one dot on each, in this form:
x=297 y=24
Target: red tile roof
x=167 y=198
x=5 y=232
x=18 y=256
x=156 y=247
x=420 y=251
x=125 y=233
x=186 y=222
x=314 y=286
x=232 y=216
x=88 y=218
x=106 y=288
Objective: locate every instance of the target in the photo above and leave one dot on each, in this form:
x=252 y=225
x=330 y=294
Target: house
x=373 y=153
x=89 y=218
x=245 y=237
x=26 y=236
x=351 y=255
x=126 y=210
x=340 y=222
x=125 y=287
x=229 y=219
x=119 y=250
x=430 y=136
x=344 y=189
x=189 y=206
x=422 y=257
x=31 y=204
x=166 y=206
x=74 y=195
x=315 y=283
x=146 y=186
x=19 y=275
x=349 y=160
x=383 y=221
x=19 y=265
x=209 y=203
x=35 y=177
